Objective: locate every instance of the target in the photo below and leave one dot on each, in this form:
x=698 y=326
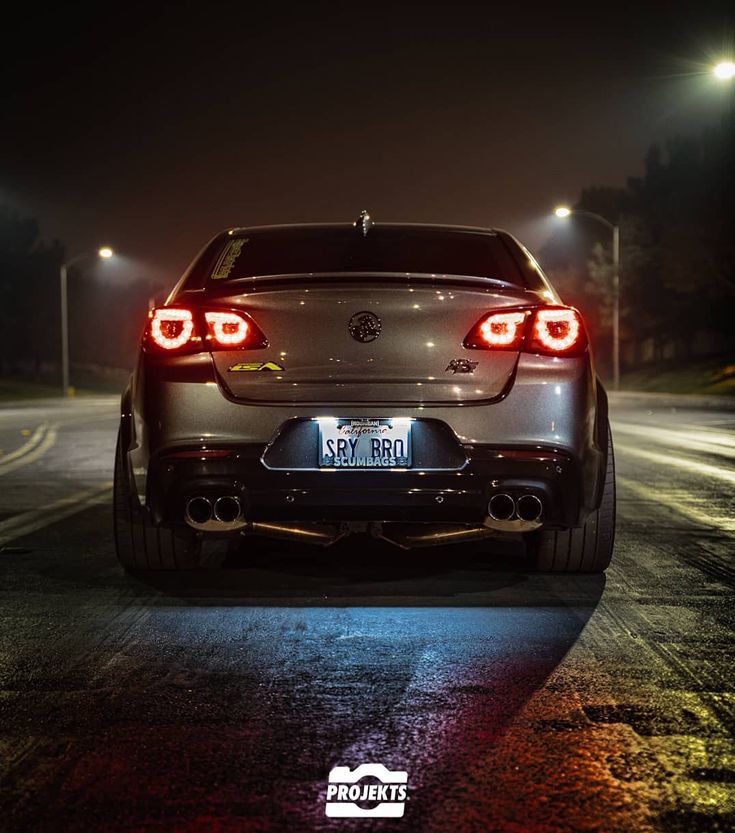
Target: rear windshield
x=300 y=251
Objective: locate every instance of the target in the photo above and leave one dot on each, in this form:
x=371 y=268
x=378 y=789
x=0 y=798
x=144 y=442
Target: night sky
x=155 y=127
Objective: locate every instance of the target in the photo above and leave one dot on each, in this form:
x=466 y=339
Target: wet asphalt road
x=220 y=701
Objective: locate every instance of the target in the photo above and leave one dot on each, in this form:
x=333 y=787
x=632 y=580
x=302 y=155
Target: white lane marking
x=725 y=524
x=31 y=456
x=721 y=444
x=27 y=446
x=709 y=428
x=34 y=519
x=702 y=434
x=691 y=466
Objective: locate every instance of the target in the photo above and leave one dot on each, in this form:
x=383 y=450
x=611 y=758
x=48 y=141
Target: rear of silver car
x=416 y=406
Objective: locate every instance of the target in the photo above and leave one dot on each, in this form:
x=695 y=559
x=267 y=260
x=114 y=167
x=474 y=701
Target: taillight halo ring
x=549 y=331
x=557 y=329
x=184 y=330
x=229 y=329
x=503 y=329
x=172 y=328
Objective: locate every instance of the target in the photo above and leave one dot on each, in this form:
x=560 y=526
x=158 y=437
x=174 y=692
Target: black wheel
x=140 y=544
x=586 y=549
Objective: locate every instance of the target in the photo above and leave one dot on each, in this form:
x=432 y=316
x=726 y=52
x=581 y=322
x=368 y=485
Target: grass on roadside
x=17 y=389
x=714 y=375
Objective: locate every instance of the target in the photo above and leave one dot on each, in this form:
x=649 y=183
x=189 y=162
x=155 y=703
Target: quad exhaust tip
x=501 y=507
x=227 y=509
x=504 y=507
x=529 y=508
x=220 y=514
x=199 y=510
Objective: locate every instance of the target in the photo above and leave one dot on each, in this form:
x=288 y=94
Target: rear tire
x=586 y=549
x=139 y=543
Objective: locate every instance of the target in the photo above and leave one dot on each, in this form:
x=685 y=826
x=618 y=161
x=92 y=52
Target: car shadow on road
x=250 y=679
x=419 y=659
x=363 y=571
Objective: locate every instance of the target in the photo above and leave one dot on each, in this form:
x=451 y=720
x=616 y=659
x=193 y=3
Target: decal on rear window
x=227 y=259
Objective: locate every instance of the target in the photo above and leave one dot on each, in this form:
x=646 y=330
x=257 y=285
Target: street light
x=104 y=252
x=724 y=71
x=563 y=212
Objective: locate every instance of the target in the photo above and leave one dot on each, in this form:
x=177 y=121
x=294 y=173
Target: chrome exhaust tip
x=198 y=510
x=529 y=507
x=501 y=507
x=227 y=509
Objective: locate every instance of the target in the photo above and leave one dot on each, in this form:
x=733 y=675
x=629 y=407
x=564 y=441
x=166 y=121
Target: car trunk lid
x=368 y=340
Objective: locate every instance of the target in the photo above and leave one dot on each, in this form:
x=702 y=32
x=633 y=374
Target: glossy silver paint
x=407 y=367
x=422 y=324
x=550 y=404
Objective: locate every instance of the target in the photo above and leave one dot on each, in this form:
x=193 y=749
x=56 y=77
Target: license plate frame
x=358 y=436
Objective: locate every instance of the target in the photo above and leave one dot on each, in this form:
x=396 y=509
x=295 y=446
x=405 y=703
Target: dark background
x=153 y=127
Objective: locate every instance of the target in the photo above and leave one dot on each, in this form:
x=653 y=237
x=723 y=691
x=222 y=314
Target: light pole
x=563 y=212
x=105 y=252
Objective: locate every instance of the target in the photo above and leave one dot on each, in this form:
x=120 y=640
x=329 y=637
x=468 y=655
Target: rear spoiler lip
x=256 y=281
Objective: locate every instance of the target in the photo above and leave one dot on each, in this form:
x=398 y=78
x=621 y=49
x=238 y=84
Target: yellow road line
x=6 y=466
x=26 y=447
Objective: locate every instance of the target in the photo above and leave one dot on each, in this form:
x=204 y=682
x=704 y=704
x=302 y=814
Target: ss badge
x=461 y=366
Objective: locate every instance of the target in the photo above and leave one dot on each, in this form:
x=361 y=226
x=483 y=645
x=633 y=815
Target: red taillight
x=230 y=329
x=498 y=331
x=551 y=331
x=171 y=328
x=503 y=329
x=556 y=331
x=190 y=330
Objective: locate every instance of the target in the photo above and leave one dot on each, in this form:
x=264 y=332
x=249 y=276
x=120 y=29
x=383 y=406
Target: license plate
x=365 y=443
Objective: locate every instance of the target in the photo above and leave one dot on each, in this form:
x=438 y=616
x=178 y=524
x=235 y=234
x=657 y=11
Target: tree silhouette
x=106 y=318
x=29 y=269
x=678 y=247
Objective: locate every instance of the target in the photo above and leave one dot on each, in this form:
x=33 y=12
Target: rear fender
x=601 y=431
x=128 y=442
x=126 y=418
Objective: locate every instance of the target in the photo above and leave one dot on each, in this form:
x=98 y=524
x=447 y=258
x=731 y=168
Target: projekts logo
x=344 y=791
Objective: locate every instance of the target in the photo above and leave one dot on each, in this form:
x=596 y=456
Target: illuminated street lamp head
x=724 y=71
x=562 y=211
x=105 y=252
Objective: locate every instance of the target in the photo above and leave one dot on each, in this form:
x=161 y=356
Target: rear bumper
x=459 y=496
x=542 y=438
